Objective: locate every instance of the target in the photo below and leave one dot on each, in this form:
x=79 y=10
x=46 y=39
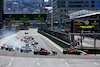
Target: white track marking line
x=36 y=58
x=64 y=61
x=95 y=63
x=11 y=61
x=38 y=63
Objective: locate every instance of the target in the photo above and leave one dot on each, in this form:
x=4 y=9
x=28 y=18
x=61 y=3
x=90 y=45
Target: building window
x=61 y=20
x=61 y=15
x=76 y=9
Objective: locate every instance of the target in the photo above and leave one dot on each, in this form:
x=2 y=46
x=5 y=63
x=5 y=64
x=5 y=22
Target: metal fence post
x=94 y=43
x=72 y=30
x=81 y=41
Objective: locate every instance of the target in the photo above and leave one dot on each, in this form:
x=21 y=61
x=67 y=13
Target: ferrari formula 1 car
x=42 y=51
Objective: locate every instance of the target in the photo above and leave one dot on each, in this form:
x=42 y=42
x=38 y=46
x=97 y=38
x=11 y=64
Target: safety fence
x=60 y=42
x=59 y=35
x=90 y=50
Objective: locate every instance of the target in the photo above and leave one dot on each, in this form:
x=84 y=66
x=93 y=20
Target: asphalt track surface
x=17 y=59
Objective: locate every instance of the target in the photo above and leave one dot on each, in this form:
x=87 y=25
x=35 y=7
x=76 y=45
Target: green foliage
x=49 y=21
x=59 y=25
x=26 y=24
x=13 y=22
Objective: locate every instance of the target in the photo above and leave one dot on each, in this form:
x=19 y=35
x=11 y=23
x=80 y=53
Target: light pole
x=72 y=29
x=58 y=25
x=64 y=24
x=14 y=13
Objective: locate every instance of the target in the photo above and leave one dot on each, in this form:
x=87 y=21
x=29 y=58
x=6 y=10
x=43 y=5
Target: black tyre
x=21 y=50
x=6 y=48
x=35 y=52
x=36 y=42
x=21 y=39
x=9 y=49
x=2 y=47
x=78 y=53
x=64 y=52
x=54 y=53
x=32 y=38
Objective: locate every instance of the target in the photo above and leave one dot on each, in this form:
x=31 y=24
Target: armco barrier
x=56 y=40
x=90 y=50
x=59 y=35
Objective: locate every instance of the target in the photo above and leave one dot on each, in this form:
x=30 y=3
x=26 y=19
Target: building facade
x=47 y=3
x=1 y=12
x=61 y=8
x=15 y=6
x=44 y=10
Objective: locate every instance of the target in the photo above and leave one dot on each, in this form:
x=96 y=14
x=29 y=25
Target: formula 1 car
x=71 y=51
x=4 y=46
x=26 y=32
x=31 y=38
x=42 y=51
x=34 y=43
x=10 y=48
x=27 y=39
x=23 y=39
x=25 y=50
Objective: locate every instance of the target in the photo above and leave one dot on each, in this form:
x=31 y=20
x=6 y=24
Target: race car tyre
x=36 y=42
x=2 y=47
x=6 y=48
x=21 y=39
x=35 y=52
x=32 y=38
x=54 y=52
x=32 y=44
x=78 y=53
x=64 y=52
x=9 y=49
x=21 y=50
